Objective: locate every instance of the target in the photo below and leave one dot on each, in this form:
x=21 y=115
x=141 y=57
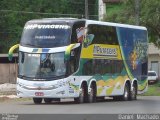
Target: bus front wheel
x=82 y=95
x=92 y=93
x=37 y=100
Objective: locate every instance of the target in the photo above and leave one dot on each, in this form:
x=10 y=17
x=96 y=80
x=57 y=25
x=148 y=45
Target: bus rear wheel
x=92 y=93
x=37 y=100
x=126 y=93
x=134 y=92
x=48 y=100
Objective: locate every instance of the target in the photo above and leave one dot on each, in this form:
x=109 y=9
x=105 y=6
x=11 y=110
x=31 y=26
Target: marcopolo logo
x=103 y=51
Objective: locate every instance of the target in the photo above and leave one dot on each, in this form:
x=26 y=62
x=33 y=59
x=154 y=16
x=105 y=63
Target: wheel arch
x=90 y=83
x=93 y=81
x=134 y=82
x=129 y=84
x=83 y=82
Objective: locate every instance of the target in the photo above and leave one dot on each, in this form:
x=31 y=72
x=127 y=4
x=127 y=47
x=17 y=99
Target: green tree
x=149 y=16
x=15 y=13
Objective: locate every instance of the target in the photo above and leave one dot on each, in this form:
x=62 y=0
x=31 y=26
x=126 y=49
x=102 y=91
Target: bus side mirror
x=88 y=40
x=10 y=53
x=68 y=51
x=67 y=54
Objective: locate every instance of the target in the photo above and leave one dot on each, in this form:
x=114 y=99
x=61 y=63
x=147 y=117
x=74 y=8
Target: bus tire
x=134 y=92
x=92 y=93
x=37 y=100
x=83 y=95
x=48 y=100
x=126 y=94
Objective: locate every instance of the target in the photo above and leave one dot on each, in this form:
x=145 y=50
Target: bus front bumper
x=62 y=92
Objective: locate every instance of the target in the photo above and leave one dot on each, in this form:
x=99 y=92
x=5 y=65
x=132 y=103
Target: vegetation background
x=15 y=13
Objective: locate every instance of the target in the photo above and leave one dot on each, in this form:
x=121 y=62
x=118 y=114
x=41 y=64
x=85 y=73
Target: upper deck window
x=46 y=35
x=103 y=34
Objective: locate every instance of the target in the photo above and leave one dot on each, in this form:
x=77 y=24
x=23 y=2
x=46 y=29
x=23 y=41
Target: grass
x=153 y=90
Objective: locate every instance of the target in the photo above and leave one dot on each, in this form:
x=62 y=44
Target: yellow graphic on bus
x=101 y=51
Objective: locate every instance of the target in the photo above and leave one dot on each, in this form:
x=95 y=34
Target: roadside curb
x=8 y=96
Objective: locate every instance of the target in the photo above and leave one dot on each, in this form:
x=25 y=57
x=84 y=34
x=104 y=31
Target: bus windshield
x=42 y=66
x=45 y=35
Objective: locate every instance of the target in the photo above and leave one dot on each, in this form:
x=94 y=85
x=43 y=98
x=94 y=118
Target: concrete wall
x=154 y=56
x=8 y=73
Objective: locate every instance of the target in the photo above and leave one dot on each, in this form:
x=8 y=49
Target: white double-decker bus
x=81 y=59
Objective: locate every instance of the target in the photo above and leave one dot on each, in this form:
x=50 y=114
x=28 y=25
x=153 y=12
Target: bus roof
x=116 y=24
x=72 y=20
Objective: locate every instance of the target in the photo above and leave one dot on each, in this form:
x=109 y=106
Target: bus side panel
x=102 y=60
x=109 y=73
x=133 y=45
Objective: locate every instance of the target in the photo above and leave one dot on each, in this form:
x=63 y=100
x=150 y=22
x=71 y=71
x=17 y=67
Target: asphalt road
x=143 y=105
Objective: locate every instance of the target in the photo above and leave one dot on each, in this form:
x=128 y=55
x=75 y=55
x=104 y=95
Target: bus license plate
x=39 y=94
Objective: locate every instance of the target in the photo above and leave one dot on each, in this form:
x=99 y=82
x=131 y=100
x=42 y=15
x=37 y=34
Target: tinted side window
x=103 y=34
x=75 y=53
x=102 y=67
